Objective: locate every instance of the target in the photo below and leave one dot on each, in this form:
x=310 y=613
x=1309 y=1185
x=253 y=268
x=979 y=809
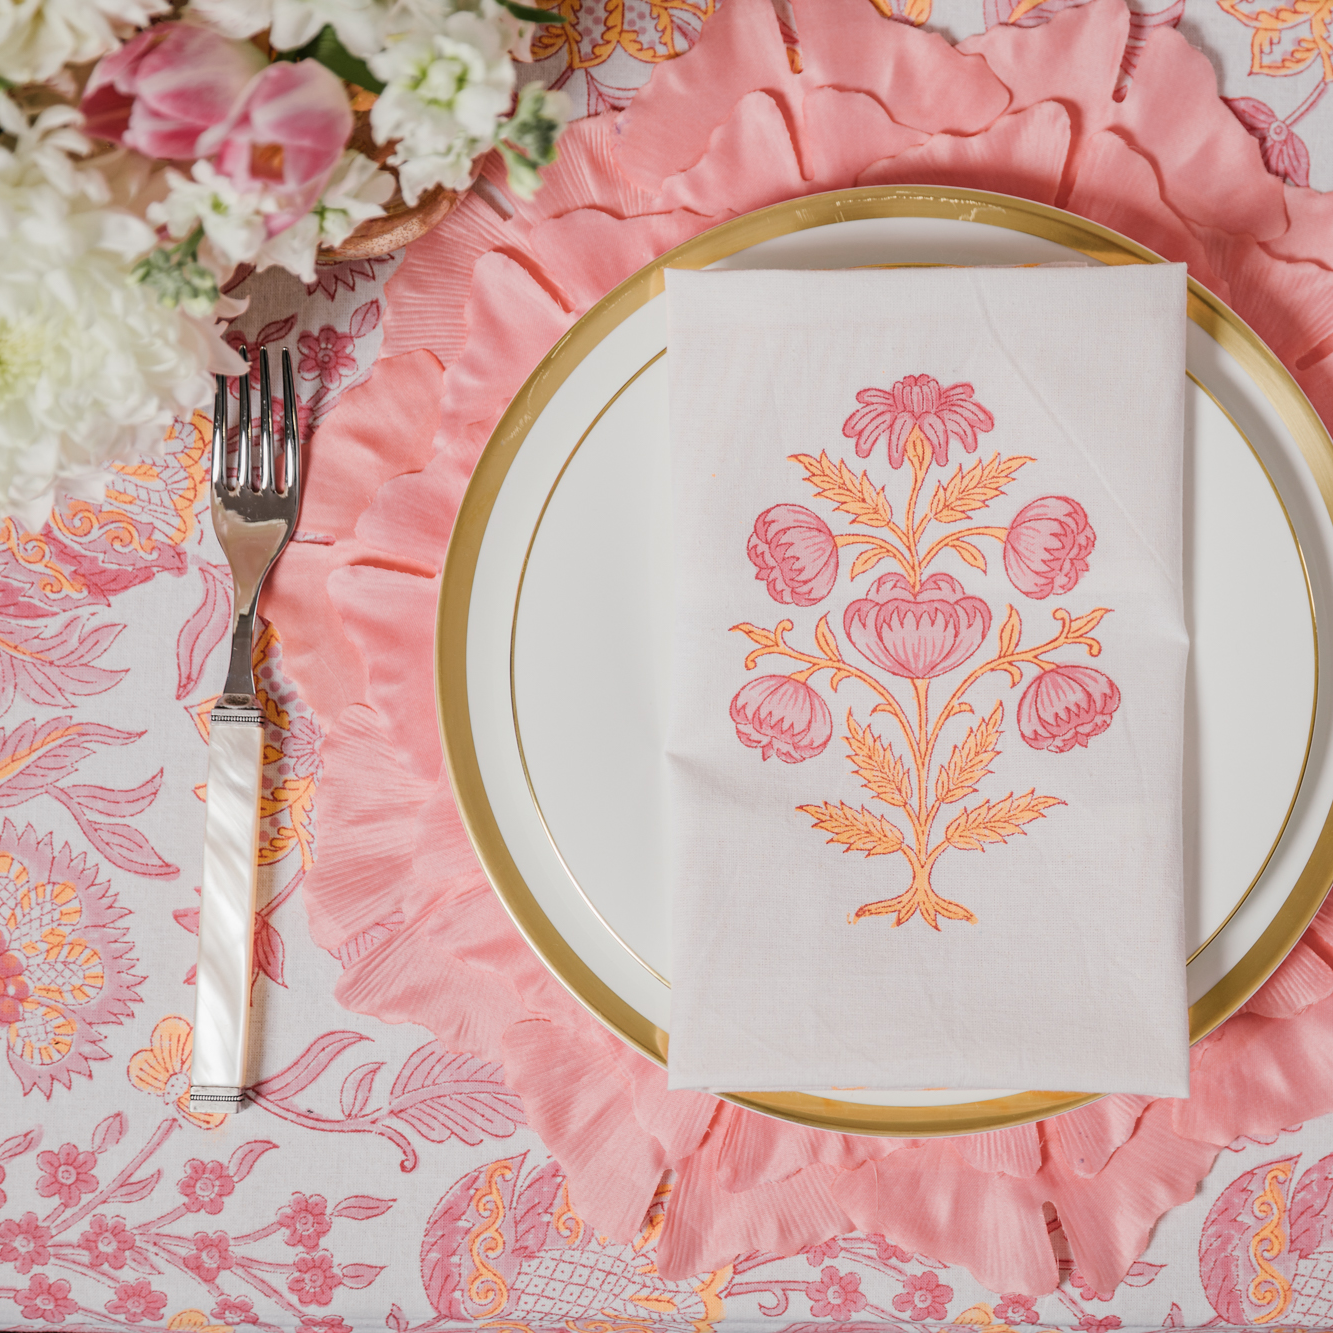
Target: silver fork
x=253 y=522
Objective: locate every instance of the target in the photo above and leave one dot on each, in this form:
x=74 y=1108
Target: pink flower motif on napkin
x=782 y=716
x=836 y=1295
x=794 y=551
x=1107 y=1324
x=1012 y=1308
x=24 y=1243
x=1066 y=706
x=107 y=1242
x=917 y=402
x=306 y=1220
x=137 y=1301
x=67 y=1173
x=917 y=635
x=923 y=1296
x=1047 y=546
x=46 y=1300
x=204 y=1186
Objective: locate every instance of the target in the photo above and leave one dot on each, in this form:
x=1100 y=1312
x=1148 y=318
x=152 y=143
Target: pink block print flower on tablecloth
x=1282 y=149
x=1013 y=1309
x=46 y=1300
x=66 y=964
x=919 y=624
x=1046 y=549
x=315 y=1279
x=107 y=1241
x=24 y=1243
x=204 y=1186
x=836 y=1295
x=779 y=715
x=1067 y=706
x=886 y=1250
x=923 y=1296
x=306 y=1220
x=794 y=552
x=67 y=1174
x=327 y=1324
x=326 y=356
x=235 y=1310
x=211 y=1255
x=136 y=1302
x=817 y=1254
x=917 y=402
x=1107 y=1324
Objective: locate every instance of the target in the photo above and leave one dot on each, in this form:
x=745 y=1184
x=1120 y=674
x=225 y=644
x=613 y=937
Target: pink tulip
x=778 y=715
x=917 y=636
x=284 y=137
x=1066 y=706
x=163 y=89
x=794 y=551
x=917 y=401
x=1047 y=545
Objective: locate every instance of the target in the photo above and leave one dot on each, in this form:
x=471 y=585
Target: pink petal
x=1012 y=1152
x=1074 y=59
x=1303 y=979
x=1209 y=161
x=390 y=617
x=345 y=465
x=845 y=132
x=1116 y=186
x=1022 y=154
x=368 y=806
x=1091 y=1134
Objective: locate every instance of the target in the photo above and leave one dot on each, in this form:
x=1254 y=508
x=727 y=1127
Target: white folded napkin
x=893 y=868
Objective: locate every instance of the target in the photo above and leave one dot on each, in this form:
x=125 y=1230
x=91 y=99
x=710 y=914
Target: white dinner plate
x=552 y=639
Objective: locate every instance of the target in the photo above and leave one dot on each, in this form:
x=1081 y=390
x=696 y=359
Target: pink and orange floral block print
x=914 y=626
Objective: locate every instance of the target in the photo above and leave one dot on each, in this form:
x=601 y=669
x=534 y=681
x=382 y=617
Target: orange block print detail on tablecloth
x=917 y=627
x=162 y=1069
x=648 y=30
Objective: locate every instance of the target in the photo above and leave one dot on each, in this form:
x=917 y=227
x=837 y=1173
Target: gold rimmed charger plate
x=461 y=758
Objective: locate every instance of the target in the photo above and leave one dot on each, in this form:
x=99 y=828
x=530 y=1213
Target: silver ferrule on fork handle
x=227 y=908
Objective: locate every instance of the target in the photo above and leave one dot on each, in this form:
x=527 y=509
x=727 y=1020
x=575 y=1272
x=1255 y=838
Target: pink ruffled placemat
x=474 y=307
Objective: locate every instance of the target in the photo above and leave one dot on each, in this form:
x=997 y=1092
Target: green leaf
x=332 y=54
x=533 y=15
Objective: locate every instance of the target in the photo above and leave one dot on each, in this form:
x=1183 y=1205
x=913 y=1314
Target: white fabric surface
x=1072 y=975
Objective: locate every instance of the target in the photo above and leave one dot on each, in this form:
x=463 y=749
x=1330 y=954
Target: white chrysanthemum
x=92 y=367
x=38 y=38
x=445 y=96
x=293 y=23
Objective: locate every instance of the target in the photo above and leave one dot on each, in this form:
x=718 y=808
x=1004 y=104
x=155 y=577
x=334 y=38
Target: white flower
x=293 y=23
x=38 y=38
x=444 y=98
x=356 y=191
x=232 y=221
x=93 y=367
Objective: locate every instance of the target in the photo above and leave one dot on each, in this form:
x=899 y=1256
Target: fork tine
x=265 y=424
x=243 y=470
x=219 y=460
x=291 y=446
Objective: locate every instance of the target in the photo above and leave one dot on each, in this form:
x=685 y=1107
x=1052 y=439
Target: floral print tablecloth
x=376 y=1172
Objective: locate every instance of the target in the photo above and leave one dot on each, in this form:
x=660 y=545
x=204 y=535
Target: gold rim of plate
x=1052 y=224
